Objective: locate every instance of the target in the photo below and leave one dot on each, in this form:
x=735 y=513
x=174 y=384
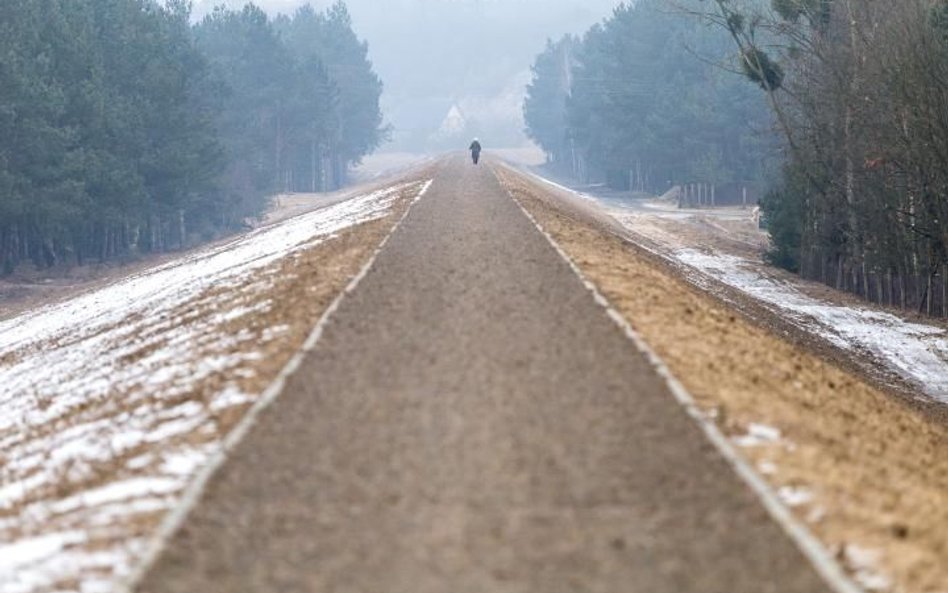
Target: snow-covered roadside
x=916 y=352
x=110 y=402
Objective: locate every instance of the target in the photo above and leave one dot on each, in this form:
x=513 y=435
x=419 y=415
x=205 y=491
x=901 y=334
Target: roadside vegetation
x=125 y=129
x=640 y=102
x=850 y=93
x=858 y=91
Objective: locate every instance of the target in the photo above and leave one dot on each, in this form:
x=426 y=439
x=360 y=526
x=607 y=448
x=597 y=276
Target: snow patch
x=794 y=496
x=863 y=563
x=100 y=421
x=758 y=435
x=20 y=554
x=917 y=352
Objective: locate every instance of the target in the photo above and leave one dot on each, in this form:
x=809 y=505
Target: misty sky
x=470 y=54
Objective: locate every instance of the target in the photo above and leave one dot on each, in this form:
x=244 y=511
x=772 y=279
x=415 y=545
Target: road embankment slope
x=863 y=468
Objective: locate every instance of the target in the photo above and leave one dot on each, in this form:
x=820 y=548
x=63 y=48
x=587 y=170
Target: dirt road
x=470 y=422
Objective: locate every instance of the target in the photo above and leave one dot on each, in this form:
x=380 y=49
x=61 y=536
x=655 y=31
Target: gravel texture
x=472 y=422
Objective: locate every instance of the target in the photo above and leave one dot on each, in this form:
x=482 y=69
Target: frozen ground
x=917 y=352
x=724 y=245
x=110 y=402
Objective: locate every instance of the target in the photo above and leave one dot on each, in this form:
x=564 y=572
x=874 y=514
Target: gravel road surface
x=472 y=422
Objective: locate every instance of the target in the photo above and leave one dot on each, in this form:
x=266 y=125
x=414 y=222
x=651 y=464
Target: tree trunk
x=888 y=288
x=103 y=244
x=314 y=174
x=902 y=291
x=278 y=149
x=944 y=290
x=865 y=282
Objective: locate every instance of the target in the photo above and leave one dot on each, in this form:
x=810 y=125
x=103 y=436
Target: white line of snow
x=794 y=497
x=29 y=551
x=758 y=435
x=98 y=423
x=916 y=352
x=863 y=562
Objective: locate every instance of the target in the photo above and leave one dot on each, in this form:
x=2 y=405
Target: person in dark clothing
x=475 y=149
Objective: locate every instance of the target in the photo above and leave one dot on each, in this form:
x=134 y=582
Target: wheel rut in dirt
x=472 y=421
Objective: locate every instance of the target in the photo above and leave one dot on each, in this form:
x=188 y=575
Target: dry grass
x=877 y=469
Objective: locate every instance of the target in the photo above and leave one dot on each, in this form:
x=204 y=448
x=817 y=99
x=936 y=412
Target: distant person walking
x=475 y=149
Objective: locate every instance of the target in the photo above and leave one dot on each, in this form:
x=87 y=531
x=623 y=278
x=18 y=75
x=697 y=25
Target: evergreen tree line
x=126 y=130
x=641 y=101
x=859 y=90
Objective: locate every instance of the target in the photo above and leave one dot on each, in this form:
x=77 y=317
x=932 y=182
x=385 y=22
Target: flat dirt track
x=472 y=421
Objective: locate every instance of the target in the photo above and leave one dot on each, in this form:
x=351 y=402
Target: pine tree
x=641 y=109
x=544 y=108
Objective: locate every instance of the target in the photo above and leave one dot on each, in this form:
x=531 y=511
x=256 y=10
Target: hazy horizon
x=463 y=57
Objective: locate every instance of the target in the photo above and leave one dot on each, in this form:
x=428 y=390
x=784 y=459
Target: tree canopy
x=124 y=129
x=861 y=106
x=642 y=100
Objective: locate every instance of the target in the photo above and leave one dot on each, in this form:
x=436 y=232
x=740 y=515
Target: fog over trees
x=853 y=92
x=859 y=90
x=141 y=126
x=126 y=129
x=640 y=101
x=472 y=55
